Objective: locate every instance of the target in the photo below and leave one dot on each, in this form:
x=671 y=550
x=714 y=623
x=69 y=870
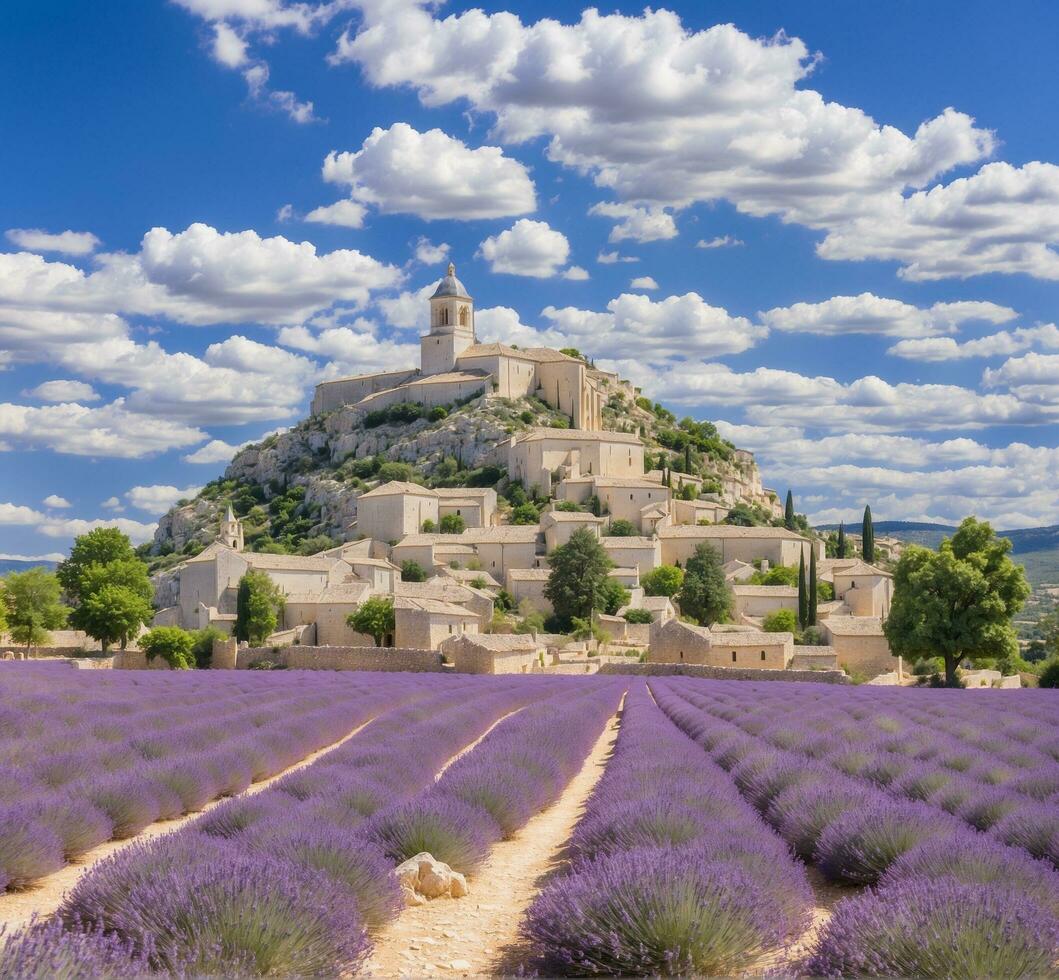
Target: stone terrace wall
x=343 y=658
x=726 y=673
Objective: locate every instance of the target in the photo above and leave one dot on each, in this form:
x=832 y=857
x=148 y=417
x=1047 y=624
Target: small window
x=762 y=654
x=733 y=656
x=681 y=654
x=450 y=629
x=630 y=496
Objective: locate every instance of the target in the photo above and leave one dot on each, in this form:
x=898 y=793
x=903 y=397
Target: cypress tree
x=788 y=512
x=840 y=550
x=813 y=590
x=242 y=610
x=687 y=458
x=803 y=594
x=867 y=537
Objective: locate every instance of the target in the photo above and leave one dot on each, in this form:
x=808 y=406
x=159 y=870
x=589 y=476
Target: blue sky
x=257 y=191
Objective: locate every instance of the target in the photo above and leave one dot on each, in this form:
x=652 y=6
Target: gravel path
x=478 y=935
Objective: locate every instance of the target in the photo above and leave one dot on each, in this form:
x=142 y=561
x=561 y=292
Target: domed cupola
x=451 y=325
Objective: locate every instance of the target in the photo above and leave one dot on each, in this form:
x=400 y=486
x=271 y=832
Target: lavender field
x=724 y=828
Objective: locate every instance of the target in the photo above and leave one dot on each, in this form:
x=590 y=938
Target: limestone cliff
x=295 y=490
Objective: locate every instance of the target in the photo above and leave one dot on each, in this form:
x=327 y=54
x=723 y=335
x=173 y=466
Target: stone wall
x=725 y=673
x=343 y=658
x=137 y=660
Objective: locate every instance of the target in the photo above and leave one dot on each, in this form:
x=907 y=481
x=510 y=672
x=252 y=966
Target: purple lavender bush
x=1034 y=827
x=244 y=914
x=449 y=829
x=860 y=844
x=653 y=911
x=801 y=813
x=942 y=928
x=47 y=951
x=76 y=822
x=28 y=850
x=131 y=802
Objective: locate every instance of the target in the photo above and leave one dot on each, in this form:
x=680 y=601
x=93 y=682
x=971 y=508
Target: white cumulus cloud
x=67 y=242
x=527 y=248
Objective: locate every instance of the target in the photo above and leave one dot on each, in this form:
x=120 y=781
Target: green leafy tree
x=3 y=609
x=258 y=606
x=34 y=606
x=957 y=601
x=615 y=595
x=780 y=621
x=452 y=524
x=704 y=594
x=412 y=571
x=664 y=580
x=840 y=548
x=428 y=527
x=174 y=645
x=814 y=590
x=867 y=537
x=112 y=614
x=108 y=585
x=595 y=506
x=803 y=593
x=777 y=575
x=566 y=507
x=622 y=528
x=789 y=517
x=375 y=618
x=578 y=580
x=1049 y=629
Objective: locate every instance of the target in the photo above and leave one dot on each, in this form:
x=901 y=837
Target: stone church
x=453 y=366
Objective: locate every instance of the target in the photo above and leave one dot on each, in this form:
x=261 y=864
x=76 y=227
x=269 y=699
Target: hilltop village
x=466 y=568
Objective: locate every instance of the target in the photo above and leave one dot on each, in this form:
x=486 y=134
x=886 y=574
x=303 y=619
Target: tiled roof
x=503 y=642
x=783 y=591
x=299 y=563
x=479 y=492
x=506 y=533
x=529 y=574
x=750 y=639
x=435 y=588
x=863 y=568
x=619 y=542
x=572 y=516
x=579 y=435
x=728 y=531
x=397 y=487
x=431 y=606
x=854 y=625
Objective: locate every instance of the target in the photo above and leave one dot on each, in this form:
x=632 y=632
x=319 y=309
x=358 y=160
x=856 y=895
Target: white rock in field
x=461 y=965
x=428 y=878
x=412 y=897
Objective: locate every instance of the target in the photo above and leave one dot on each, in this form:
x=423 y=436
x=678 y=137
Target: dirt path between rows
x=17 y=908
x=478 y=935
x=826 y=895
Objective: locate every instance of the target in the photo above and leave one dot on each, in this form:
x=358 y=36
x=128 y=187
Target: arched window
x=762 y=654
x=733 y=656
x=463 y=316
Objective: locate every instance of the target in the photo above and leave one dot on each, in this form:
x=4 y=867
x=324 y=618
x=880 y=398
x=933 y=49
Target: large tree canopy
x=957 y=601
x=34 y=606
x=577 y=584
x=705 y=594
x=258 y=605
x=374 y=618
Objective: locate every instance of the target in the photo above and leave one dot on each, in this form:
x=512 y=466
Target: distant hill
x=1035 y=547
x=16 y=565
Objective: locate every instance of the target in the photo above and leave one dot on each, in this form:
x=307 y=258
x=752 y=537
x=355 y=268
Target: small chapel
x=454 y=366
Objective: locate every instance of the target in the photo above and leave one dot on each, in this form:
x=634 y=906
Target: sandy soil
x=17 y=908
x=827 y=895
x=478 y=934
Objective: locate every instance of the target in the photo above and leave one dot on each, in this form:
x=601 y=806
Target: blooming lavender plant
x=47 y=951
x=937 y=928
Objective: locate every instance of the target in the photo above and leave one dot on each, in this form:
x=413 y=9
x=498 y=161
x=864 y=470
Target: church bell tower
x=451 y=325
x=232 y=531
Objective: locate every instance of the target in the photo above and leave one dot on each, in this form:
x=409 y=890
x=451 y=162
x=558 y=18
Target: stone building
x=776 y=545
x=678 y=642
x=453 y=366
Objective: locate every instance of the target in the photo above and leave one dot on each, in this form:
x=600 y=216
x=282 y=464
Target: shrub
x=861 y=844
x=664 y=580
x=131 y=802
x=1049 y=676
x=174 y=645
x=437 y=413
x=801 y=813
x=412 y=571
x=525 y=513
x=244 y=914
x=975 y=860
x=401 y=472
x=190 y=780
x=452 y=524
x=428 y=526
x=652 y=911
x=76 y=822
x=780 y=621
x=449 y=829
x=504 y=793
x=1035 y=828
x=943 y=928
x=47 y=951
x=621 y=528
x=642 y=616
x=236 y=816
x=359 y=867
x=28 y=850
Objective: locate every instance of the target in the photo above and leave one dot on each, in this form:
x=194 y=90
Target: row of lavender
x=946 y=899
x=670 y=871
x=991 y=761
x=292 y=880
x=104 y=772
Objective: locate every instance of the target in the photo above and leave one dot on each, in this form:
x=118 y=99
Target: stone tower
x=451 y=325
x=232 y=531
